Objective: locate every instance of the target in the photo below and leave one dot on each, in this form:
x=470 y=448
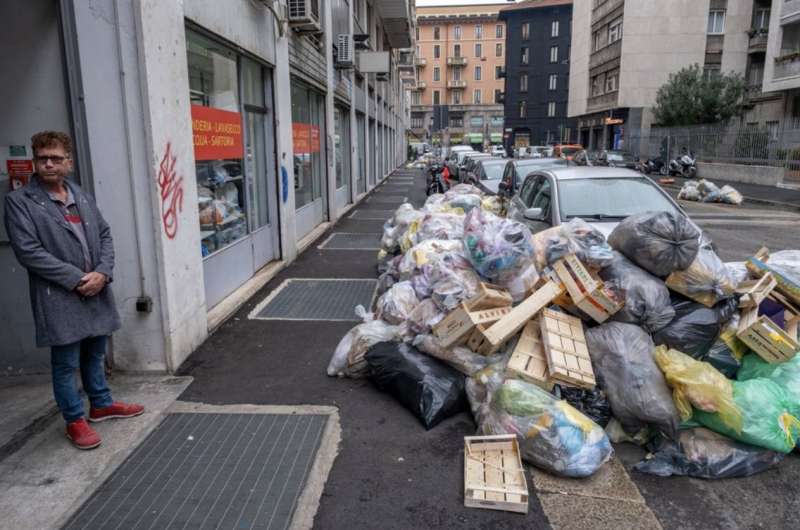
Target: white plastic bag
x=395 y=305
x=348 y=358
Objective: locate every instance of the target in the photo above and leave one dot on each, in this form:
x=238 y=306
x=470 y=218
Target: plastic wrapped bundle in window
x=658 y=242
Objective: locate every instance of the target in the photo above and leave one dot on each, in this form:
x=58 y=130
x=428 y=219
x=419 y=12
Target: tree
x=691 y=97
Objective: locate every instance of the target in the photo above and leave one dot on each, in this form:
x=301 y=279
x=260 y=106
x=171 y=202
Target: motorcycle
x=655 y=165
x=437 y=179
x=683 y=166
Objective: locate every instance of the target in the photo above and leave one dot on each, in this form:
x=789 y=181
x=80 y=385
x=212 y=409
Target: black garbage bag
x=695 y=328
x=658 y=242
x=702 y=453
x=593 y=403
x=430 y=389
x=622 y=358
x=647 y=301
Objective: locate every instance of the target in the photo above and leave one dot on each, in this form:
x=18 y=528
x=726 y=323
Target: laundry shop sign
x=216 y=133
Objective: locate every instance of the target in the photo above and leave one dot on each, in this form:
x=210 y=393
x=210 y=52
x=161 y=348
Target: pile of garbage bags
x=706 y=191
x=672 y=373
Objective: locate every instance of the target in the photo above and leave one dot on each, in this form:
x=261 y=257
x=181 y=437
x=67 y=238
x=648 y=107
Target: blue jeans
x=88 y=355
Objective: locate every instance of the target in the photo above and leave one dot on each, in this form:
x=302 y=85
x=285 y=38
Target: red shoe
x=115 y=410
x=81 y=435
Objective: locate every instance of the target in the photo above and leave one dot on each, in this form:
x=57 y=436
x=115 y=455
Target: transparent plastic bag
x=462 y=189
x=689 y=192
x=707 y=280
x=439 y=226
x=737 y=271
x=658 y=242
x=702 y=453
x=730 y=195
x=465 y=201
x=494 y=204
x=580 y=238
x=496 y=246
x=519 y=283
x=348 y=357
x=426 y=315
x=647 y=300
x=396 y=304
x=462 y=359
x=552 y=434
x=700 y=386
x=622 y=358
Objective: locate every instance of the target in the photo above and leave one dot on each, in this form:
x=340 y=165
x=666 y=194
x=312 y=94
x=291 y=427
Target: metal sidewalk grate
x=387 y=199
x=206 y=470
x=375 y=215
x=316 y=299
x=350 y=241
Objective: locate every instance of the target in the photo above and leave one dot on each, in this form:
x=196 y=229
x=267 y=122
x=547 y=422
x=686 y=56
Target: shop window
x=308 y=111
x=341 y=145
x=497 y=121
x=476 y=122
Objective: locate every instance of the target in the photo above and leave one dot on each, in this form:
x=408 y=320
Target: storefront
x=341 y=153
x=361 y=153
x=373 y=166
x=310 y=178
x=234 y=150
x=496 y=138
x=476 y=141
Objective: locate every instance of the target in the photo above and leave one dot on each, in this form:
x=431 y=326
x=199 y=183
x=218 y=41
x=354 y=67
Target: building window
x=498 y=50
x=456 y=32
x=523 y=109
x=598 y=40
x=416 y=98
x=554 y=54
x=456 y=50
x=551 y=109
x=498 y=95
x=497 y=71
x=497 y=121
x=437 y=51
x=526 y=31
x=478 y=31
x=523 y=83
x=773 y=128
x=553 y=82
x=477 y=73
x=716 y=22
x=554 y=29
x=416 y=30
x=611 y=82
x=711 y=70
x=417 y=122
x=615 y=31
x=456 y=99
x=457 y=121
x=437 y=73
x=524 y=55
x=457 y=74
x=478 y=49
x=436 y=33
x=597 y=85
x=761 y=20
x=476 y=96
x=436 y=97
x=476 y=122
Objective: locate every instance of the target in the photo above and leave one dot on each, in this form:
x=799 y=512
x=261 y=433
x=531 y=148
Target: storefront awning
x=456 y=138
x=497 y=138
x=475 y=138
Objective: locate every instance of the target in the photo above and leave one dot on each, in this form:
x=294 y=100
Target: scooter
x=437 y=180
x=683 y=166
x=655 y=165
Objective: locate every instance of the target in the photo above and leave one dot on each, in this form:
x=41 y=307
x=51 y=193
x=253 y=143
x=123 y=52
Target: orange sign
x=305 y=138
x=19 y=172
x=217 y=133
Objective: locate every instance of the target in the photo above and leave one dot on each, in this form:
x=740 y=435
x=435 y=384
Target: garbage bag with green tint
x=785 y=374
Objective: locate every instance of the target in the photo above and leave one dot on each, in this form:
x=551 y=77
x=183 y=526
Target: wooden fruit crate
x=529 y=362
x=766 y=338
x=456 y=327
x=498 y=333
x=585 y=289
x=754 y=292
x=493 y=474
x=565 y=348
x=489 y=297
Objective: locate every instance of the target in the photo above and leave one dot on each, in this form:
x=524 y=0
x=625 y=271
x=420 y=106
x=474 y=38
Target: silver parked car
x=515 y=171
x=487 y=174
x=601 y=196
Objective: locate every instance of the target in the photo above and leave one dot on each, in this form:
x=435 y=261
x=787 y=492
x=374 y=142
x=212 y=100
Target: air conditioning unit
x=304 y=16
x=345 y=54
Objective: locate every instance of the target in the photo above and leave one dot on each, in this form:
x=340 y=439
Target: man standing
x=60 y=237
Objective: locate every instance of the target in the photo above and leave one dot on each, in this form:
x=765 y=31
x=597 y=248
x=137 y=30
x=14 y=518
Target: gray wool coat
x=46 y=246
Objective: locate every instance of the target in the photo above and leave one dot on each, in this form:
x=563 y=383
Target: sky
x=426 y=3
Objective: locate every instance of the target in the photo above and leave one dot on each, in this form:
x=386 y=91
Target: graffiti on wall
x=171 y=189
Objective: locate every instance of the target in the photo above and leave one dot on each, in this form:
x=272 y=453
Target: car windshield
x=612 y=198
x=493 y=171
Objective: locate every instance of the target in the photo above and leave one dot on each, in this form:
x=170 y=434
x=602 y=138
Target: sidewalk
x=754 y=193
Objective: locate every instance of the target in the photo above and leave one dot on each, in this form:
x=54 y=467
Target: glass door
x=362 y=151
x=341 y=144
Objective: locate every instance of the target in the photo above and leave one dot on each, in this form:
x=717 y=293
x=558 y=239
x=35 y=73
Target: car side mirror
x=534 y=214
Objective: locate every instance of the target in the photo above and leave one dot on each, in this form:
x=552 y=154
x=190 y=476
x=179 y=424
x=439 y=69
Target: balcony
x=421 y=62
x=758 y=41
x=398 y=21
x=456 y=61
x=456 y=85
x=787 y=65
x=421 y=85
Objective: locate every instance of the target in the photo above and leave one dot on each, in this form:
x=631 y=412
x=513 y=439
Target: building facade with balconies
x=457 y=97
x=623 y=51
x=782 y=60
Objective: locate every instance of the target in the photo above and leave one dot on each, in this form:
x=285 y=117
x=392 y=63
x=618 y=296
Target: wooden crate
x=585 y=289
x=529 y=362
x=759 y=265
x=565 y=348
x=493 y=474
x=766 y=338
x=753 y=293
x=489 y=297
x=498 y=333
x=456 y=327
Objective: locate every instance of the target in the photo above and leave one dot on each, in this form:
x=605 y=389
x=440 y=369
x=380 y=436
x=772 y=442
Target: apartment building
x=219 y=140
x=458 y=93
x=782 y=60
x=623 y=51
x=538 y=36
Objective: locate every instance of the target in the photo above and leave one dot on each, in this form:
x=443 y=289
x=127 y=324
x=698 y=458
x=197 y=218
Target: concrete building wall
x=783 y=75
x=738 y=20
x=579 y=58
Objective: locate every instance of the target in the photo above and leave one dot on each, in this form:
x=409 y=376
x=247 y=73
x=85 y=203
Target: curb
x=753 y=200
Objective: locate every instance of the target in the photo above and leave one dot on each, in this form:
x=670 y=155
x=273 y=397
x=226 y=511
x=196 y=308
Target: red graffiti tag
x=171 y=187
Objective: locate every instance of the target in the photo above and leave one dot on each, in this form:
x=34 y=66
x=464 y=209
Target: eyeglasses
x=57 y=160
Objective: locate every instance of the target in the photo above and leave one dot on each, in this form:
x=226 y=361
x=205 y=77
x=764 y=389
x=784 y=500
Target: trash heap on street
x=567 y=341
x=706 y=191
